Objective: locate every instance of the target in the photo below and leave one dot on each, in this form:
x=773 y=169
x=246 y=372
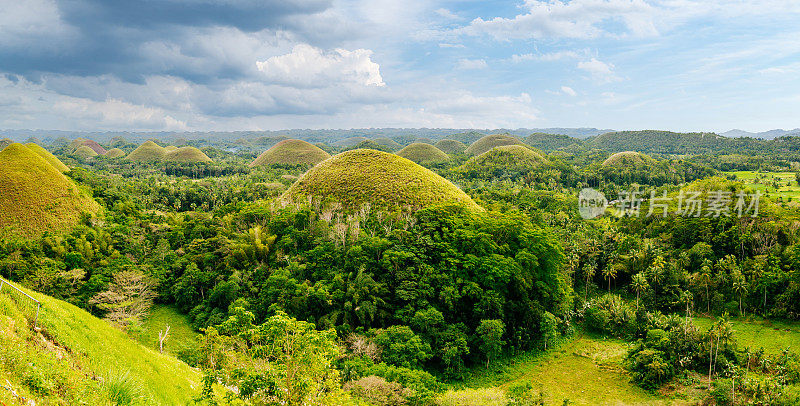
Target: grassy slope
x=774 y=336
x=50 y=158
x=490 y=141
x=384 y=180
x=115 y=153
x=186 y=154
x=181 y=334
x=627 y=158
x=451 y=146
x=85 y=152
x=586 y=370
x=147 y=152
x=423 y=153
x=291 y=152
x=106 y=350
x=36 y=197
x=510 y=156
x=763 y=181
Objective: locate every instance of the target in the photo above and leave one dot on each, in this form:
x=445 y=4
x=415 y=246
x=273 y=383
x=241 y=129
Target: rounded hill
x=147 y=152
x=187 y=154
x=5 y=142
x=627 y=158
x=423 y=153
x=508 y=161
x=35 y=196
x=451 y=146
x=170 y=148
x=387 y=142
x=349 y=142
x=115 y=153
x=50 y=158
x=490 y=141
x=81 y=142
x=291 y=152
x=85 y=152
x=383 y=180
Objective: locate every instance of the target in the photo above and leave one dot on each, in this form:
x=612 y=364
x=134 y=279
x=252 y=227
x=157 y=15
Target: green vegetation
x=387 y=142
x=114 y=153
x=451 y=146
x=129 y=369
x=182 y=339
x=423 y=154
x=50 y=158
x=186 y=155
x=627 y=159
x=85 y=152
x=35 y=196
x=93 y=145
x=490 y=141
x=781 y=185
x=5 y=142
x=147 y=152
x=383 y=180
x=510 y=161
x=170 y=148
x=349 y=142
x=291 y=152
x=773 y=335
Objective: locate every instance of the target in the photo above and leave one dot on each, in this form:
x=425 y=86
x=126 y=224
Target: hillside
x=187 y=154
x=349 y=142
x=35 y=196
x=387 y=142
x=93 y=145
x=85 y=152
x=115 y=153
x=662 y=142
x=627 y=158
x=551 y=142
x=170 y=148
x=80 y=359
x=490 y=141
x=50 y=158
x=381 y=179
x=291 y=152
x=451 y=146
x=509 y=161
x=147 y=152
x=5 y=142
x=423 y=153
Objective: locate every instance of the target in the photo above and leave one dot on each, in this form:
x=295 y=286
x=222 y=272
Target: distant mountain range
x=767 y=135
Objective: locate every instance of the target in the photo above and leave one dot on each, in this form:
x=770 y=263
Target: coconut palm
x=740 y=287
x=639 y=285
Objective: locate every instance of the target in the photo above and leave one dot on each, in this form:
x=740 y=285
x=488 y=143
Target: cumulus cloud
x=568 y=91
x=307 y=66
x=600 y=71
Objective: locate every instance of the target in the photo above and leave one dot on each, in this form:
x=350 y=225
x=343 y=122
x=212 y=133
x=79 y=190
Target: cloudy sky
x=275 y=64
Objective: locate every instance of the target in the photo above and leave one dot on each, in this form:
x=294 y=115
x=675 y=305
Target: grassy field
x=586 y=370
x=774 y=184
x=108 y=353
x=181 y=334
x=774 y=336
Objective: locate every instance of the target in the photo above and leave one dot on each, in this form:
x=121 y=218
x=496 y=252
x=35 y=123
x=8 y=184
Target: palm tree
x=588 y=272
x=705 y=280
x=740 y=287
x=639 y=285
x=609 y=273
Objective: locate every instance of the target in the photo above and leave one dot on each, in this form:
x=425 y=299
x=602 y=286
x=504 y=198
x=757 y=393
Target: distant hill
x=291 y=152
x=490 y=141
x=767 y=135
x=85 y=152
x=35 y=196
x=628 y=159
x=659 y=142
x=381 y=179
x=186 y=154
x=423 y=153
x=504 y=162
x=451 y=146
x=115 y=153
x=147 y=152
x=551 y=142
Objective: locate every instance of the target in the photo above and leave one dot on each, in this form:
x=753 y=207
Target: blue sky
x=708 y=65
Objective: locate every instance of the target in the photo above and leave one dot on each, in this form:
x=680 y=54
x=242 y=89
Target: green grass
x=181 y=334
x=451 y=146
x=85 y=152
x=147 y=152
x=587 y=370
x=35 y=196
x=50 y=158
x=766 y=182
x=130 y=369
x=186 y=154
x=423 y=153
x=490 y=141
x=627 y=158
x=383 y=180
x=774 y=336
x=291 y=152
x=115 y=153
x=387 y=142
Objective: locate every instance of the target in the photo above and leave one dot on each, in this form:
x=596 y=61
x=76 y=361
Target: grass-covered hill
x=50 y=158
x=115 y=153
x=5 y=142
x=170 y=148
x=85 y=152
x=82 y=142
x=147 y=152
x=77 y=358
x=291 y=152
x=381 y=179
x=508 y=161
x=663 y=142
x=387 y=142
x=349 y=142
x=490 y=141
x=187 y=154
x=551 y=142
x=627 y=159
x=451 y=146
x=423 y=153
x=35 y=196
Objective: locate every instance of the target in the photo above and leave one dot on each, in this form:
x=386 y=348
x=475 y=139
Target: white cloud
x=307 y=66
x=600 y=71
x=471 y=64
x=443 y=12
x=569 y=91
x=32 y=22
x=446 y=45
x=117 y=113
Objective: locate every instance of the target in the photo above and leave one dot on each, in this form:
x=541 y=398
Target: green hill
x=147 y=152
x=381 y=179
x=387 y=142
x=81 y=142
x=490 y=141
x=664 y=142
x=77 y=358
x=291 y=152
x=627 y=159
x=423 y=153
x=5 y=142
x=551 y=142
x=509 y=161
x=349 y=142
x=85 y=152
x=187 y=154
x=36 y=197
x=451 y=146
x=170 y=148
x=115 y=153
x=50 y=158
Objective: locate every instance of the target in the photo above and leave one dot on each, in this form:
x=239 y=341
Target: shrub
x=379 y=392
x=723 y=392
x=121 y=388
x=473 y=397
